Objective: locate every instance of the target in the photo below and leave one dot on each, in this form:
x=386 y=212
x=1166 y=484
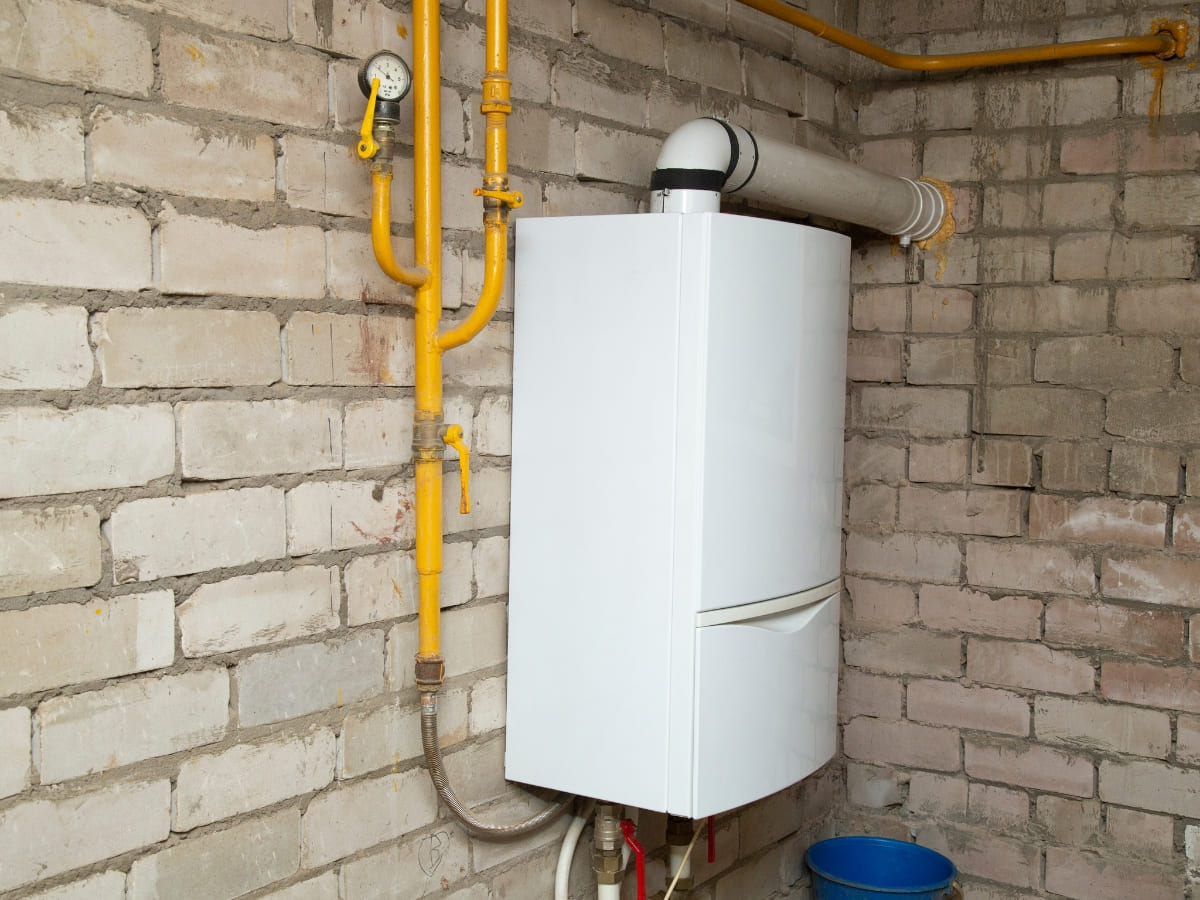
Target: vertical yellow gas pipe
x=427 y=420
x=497 y=198
x=429 y=435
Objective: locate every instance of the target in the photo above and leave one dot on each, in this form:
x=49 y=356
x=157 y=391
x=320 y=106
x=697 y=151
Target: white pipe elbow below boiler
x=705 y=158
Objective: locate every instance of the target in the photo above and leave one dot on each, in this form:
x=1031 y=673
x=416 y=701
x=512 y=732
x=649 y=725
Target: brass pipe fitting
x=607 y=866
x=384 y=133
x=607 y=828
x=607 y=843
x=427 y=443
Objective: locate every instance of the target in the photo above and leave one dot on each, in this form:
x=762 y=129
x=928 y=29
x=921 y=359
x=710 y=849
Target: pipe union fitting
x=429 y=673
x=679 y=831
x=427 y=438
x=607 y=866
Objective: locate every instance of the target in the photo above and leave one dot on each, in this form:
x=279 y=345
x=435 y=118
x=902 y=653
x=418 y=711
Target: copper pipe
x=1168 y=41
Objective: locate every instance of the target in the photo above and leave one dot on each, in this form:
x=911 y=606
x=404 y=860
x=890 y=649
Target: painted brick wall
x=1020 y=686
x=206 y=575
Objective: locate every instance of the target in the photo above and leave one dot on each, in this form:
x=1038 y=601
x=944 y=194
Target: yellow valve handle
x=367 y=148
x=511 y=199
x=454 y=438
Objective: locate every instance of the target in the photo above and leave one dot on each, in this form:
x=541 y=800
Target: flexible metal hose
x=441 y=782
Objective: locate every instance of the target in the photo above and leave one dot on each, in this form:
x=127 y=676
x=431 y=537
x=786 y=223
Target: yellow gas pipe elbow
x=495 y=256
x=381 y=232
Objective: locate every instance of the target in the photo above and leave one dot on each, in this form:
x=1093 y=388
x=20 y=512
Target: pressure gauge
x=394 y=76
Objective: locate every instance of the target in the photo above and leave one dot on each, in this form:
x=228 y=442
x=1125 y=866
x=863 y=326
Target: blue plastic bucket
x=869 y=868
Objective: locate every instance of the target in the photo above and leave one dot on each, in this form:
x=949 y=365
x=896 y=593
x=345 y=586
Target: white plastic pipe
x=678 y=861
x=686 y=854
x=562 y=874
x=704 y=158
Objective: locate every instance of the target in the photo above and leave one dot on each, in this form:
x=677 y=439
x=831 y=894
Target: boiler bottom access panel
x=765 y=722
x=678 y=397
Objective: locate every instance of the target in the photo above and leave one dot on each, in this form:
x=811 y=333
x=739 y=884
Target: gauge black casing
x=387 y=110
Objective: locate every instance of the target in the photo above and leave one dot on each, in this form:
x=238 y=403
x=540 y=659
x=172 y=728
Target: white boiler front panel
x=677 y=434
x=771 y=388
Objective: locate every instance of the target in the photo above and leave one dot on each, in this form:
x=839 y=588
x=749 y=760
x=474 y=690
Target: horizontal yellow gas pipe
x=381 y=228
x=1169 y=40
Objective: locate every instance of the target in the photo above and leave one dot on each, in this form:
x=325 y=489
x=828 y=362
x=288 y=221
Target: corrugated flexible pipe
x=441 y=782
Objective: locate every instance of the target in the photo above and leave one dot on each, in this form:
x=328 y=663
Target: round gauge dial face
x=394 y=77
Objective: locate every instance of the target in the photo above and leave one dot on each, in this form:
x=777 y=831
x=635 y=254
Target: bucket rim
x=869 y=840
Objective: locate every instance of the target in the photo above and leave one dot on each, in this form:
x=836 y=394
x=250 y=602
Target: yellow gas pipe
x=1167 y=40
x=427 y=418
x=497 y=198
x=429 y=433
x=381 y=228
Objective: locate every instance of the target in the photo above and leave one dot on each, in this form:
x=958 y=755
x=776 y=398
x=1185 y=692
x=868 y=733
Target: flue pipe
x=705 y=158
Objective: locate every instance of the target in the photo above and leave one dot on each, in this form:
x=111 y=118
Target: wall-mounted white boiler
x=678 y=401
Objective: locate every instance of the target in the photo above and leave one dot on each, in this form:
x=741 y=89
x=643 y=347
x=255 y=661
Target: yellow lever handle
x=454 y=438
x=367 y=148
x=511 y=199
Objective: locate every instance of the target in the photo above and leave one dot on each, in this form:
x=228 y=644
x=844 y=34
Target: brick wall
x=1022 y=637
x=206 y=576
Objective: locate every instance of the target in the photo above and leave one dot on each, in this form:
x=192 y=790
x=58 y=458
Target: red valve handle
x=639 y=853
x=712 y=841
